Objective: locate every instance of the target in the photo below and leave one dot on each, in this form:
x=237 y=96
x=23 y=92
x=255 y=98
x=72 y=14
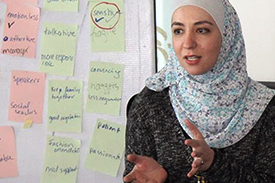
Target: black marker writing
x=63 y=147
x=105 y=154
x=18 y=51
x=27 y=80
x=5 y=158
x=104 y=99
x=17 y=38
x=19 y=15
x=108 y=127
x=64 y=118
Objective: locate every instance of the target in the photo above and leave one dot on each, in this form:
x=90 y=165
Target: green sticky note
x=106 y=148
x=104 y=88
x=61 y=5
x=107 y=21
x=65 y=106
x=61 y=160
x=58 y=48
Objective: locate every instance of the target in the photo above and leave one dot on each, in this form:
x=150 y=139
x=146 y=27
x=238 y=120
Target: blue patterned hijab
x=223 y=103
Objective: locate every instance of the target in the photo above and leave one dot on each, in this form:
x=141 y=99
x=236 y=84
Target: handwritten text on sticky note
x=65 y=106
x=107 y=26
x=58 y=48
x=20 y=32
x=26 y=96
x=8 y=157
x=61 y=160
x=106 y=148
x=105 y=88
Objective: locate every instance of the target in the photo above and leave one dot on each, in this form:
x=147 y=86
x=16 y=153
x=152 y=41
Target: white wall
x=258 y=24
x=139 y=64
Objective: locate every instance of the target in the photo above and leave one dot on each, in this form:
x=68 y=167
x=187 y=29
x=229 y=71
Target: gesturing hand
x=203 y=155
x=146 y=170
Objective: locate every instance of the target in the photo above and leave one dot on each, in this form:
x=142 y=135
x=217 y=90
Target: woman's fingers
x=130 y=177
x=136 y=159
x=200 y=150
x=197 y=163
x=192 y=172
x=194 y=130
x=132 y=158
x=146 y=170
x=192 y=143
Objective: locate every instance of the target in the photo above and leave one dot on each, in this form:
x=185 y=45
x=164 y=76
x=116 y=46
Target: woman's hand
x=203 y=155
x=146 y=170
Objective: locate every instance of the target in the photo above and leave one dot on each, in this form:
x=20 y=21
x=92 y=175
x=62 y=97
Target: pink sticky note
x=8 y=157
x=26 y=96
x=33 y=2
x=20 y=32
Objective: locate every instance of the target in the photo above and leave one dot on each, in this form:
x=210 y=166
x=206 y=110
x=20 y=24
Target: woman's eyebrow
x=196 y=23
x=177 y=23
x=203 y=22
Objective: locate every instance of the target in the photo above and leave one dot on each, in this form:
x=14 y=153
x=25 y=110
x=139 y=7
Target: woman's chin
x=194 y=71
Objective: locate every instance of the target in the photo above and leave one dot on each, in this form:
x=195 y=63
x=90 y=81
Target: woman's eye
x=178 y=31
x=203 y=31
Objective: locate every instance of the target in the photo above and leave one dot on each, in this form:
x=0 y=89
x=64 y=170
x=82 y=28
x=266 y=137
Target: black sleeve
x=139 y=139
x=226 y=168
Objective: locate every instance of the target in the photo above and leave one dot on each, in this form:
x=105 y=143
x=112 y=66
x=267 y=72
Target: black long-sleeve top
x=153 y=130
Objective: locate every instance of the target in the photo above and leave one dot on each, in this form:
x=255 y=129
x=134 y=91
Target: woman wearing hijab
x=201 y=118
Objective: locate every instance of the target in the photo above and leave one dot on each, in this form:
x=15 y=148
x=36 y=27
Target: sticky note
x=61 y=5
x=65 y=106
x=8 y=157
x=27 y=90
x=61 y=160
x=104 y=88
x=107 y=26
x=106 y=148
x=20 y=31
x=58 y=48
x=27 y=123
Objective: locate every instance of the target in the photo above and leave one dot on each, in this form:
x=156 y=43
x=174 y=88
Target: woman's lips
x=192 y=59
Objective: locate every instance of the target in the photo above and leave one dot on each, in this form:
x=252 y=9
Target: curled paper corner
x=28 y=123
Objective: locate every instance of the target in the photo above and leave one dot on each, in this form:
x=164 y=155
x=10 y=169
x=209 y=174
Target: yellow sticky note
x=106 y=148
x=107 y=26
x=28 y=123
x=61 y=160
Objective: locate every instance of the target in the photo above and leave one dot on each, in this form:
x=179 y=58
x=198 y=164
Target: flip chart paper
x=107 y=21
x=61 y=160
x=27 y=90
x=8 y=157
x=65 y=106
x=105 y=88
x=20 y=31
x=58 y=48
x=61 y=5
x=31 y=2
x=106 y=148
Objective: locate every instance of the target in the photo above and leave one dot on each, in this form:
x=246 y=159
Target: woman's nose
x=189 y=41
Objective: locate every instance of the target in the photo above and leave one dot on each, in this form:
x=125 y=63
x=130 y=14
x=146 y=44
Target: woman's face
x=196 y=39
